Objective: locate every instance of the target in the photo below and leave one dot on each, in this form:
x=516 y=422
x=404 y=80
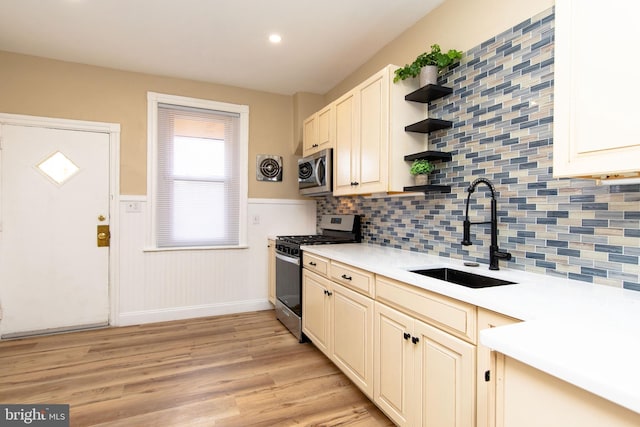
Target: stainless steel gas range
x=335 y=229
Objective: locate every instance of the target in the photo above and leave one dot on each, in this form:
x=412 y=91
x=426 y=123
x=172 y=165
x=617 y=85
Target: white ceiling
x=220 y=41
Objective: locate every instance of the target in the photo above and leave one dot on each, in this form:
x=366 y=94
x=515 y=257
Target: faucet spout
x=494 y=252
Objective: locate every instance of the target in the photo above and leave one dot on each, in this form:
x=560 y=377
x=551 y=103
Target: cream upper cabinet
x=318 y=131
x=371 y=150
x=370 y=141
x=488 y=374
x=596 y=92
x=423 y=376
x=346 y=144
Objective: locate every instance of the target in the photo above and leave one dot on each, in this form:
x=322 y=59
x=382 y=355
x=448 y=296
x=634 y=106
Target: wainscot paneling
x=168 y=285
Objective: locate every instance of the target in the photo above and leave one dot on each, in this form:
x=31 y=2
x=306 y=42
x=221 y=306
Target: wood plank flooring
x=236 y=370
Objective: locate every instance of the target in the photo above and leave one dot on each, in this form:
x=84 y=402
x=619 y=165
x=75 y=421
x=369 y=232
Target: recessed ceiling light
x=275 y=38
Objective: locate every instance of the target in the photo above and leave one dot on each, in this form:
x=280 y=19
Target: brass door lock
x=104 y=236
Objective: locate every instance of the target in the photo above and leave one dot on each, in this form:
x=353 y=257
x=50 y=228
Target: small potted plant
x=427 y=65
x=420 y=169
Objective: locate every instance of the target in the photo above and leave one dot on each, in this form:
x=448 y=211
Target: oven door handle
x=291 y=260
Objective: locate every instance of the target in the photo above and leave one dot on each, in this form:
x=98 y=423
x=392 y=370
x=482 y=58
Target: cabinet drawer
x=352 y=277
x=453 y=316
x=315 y=263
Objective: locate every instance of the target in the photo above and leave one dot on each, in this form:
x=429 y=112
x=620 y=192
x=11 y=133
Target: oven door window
x=306 y=174
x=289 y=282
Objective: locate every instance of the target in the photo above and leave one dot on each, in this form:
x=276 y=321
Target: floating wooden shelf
x=429 y=188
x=425 y=95
x=429 y=155
x=429 y=125
x=428 y=93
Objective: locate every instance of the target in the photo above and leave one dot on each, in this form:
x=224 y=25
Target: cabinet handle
x=407 y=335
x=415 y=340
x=355 y=183
x=329 y=293
x=345 y=277
x=312 y=264
x=487 y=376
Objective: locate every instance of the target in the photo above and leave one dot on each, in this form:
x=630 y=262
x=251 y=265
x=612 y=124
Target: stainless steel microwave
x=315 y=174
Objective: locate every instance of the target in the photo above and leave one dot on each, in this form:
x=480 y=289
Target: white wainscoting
x=171 y=285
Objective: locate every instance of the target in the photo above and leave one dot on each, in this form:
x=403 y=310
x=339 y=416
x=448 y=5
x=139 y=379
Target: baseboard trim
x=180 y=313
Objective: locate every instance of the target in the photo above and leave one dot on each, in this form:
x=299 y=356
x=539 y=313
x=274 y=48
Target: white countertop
x=587 y=335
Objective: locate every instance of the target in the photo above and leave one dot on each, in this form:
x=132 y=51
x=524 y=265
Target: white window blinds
x=198 y=193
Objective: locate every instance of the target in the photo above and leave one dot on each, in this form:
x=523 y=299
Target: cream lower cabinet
x=339 y=322
x=271 y=270
x=352 y=336
x=316 y=309
x=423 y=376
x=488 y=372
x=532 y=398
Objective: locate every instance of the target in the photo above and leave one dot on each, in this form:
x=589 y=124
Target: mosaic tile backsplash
x=502 y=110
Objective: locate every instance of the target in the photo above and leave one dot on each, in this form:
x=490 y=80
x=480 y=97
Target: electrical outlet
x=256 y=219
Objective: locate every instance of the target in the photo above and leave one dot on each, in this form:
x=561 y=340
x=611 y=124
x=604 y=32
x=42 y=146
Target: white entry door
x=54 y=193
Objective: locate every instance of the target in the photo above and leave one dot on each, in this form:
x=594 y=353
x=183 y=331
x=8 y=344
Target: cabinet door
x=316 y=309
x=309 y=135
x=373 y=157
x=534 y=398
x=352 y=336
x=346 y=145
x=324 y=120
x=445 y=383
x=487 y=371
x=271 y=271
x=595 y=131
x=393 y=364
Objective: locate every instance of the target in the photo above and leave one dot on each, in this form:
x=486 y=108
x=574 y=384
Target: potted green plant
x=420 y=169
x=427 y=65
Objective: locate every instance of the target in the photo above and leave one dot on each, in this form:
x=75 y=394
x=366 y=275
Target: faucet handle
x=466 y=233
x=502 y=255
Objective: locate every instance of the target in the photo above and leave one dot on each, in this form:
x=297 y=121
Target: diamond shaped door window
x=58 y=168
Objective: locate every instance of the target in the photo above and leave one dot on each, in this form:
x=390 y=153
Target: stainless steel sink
x=463 y=278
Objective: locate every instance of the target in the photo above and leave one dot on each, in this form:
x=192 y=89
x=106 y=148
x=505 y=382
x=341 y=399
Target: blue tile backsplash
x=502 y=110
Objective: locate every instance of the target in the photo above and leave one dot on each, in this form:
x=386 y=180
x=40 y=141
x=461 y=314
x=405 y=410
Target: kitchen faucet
x=495 y=254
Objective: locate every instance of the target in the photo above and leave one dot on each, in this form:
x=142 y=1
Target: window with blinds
x=199 y=197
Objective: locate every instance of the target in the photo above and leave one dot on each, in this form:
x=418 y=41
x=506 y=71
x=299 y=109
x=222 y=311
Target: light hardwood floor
x=236 y=370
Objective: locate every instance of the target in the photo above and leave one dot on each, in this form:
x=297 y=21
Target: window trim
x=153 y=99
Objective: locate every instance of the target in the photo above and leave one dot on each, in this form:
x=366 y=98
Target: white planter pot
x=428 y=75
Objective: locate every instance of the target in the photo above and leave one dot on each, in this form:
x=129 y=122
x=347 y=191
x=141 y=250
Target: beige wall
x=43 y=87
x=455 y=24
